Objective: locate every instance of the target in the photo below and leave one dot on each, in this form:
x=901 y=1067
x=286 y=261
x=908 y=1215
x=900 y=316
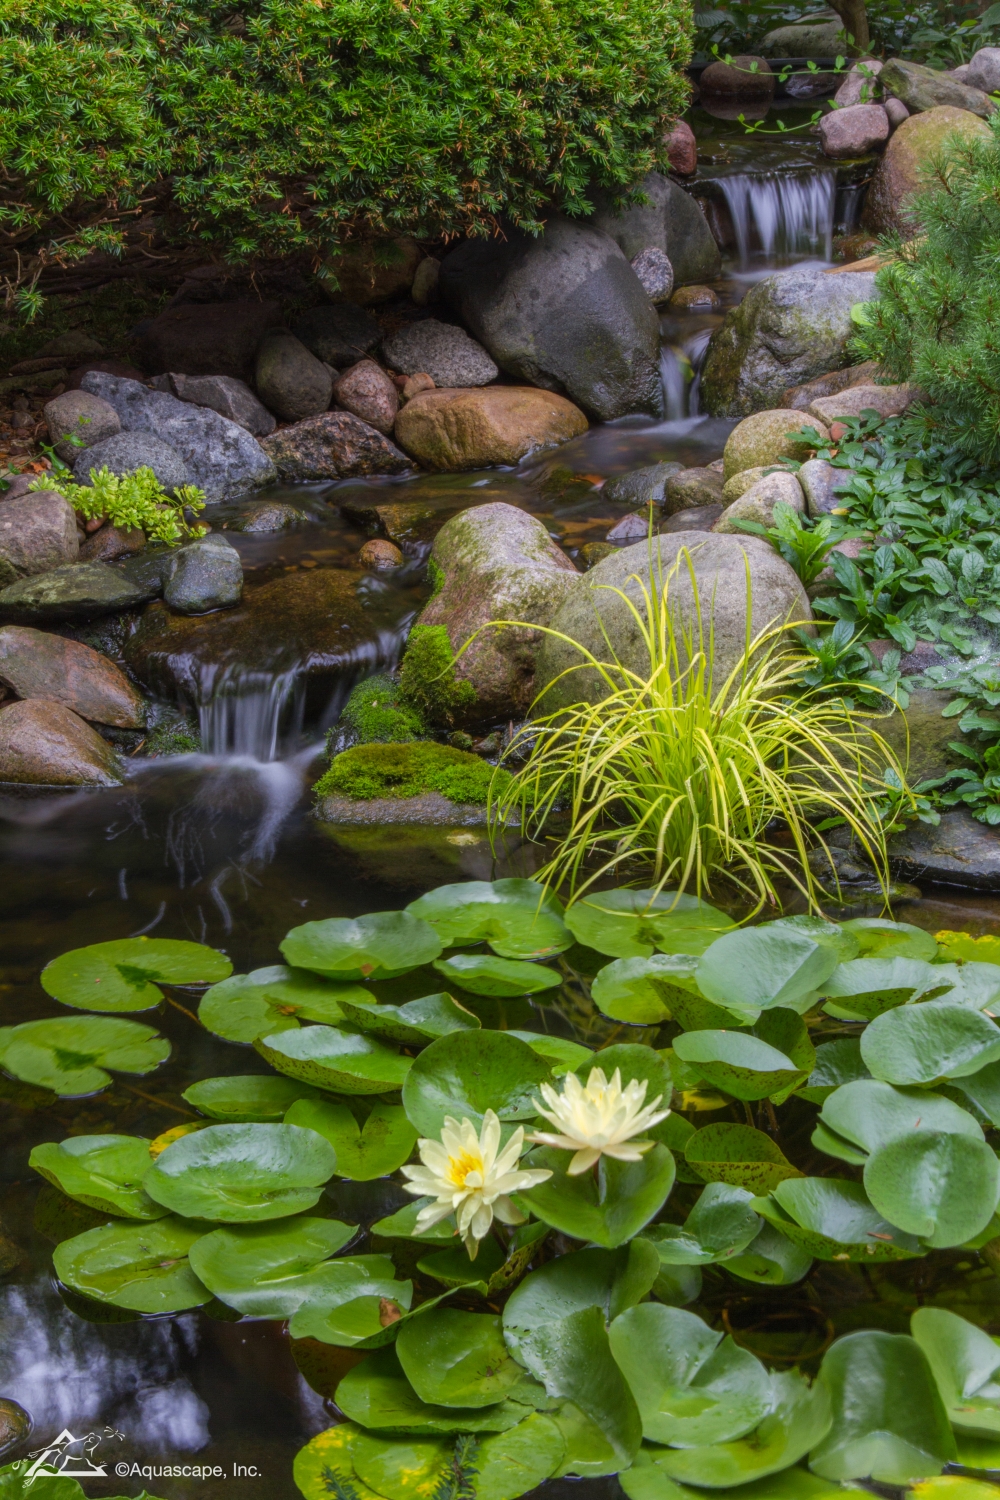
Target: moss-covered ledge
x=420 y=782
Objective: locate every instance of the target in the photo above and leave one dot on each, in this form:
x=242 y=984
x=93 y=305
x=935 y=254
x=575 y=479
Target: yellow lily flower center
x=459 y=1167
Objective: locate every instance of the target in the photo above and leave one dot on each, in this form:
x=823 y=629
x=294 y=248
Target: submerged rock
x=43 y=743
x=266 y=515
x=647 y=486
x=204 y=575
x=471 y=429
x=334 y=445
x=37 y=533
x=35 y=664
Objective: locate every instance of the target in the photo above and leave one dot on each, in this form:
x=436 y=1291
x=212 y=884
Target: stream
x=219 y=847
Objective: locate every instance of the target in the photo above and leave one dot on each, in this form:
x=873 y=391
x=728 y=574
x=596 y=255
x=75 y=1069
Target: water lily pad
x=983 y=1090
x=377 y=1395
x=964 y=1362
x=692 y=1385
x=402 y=1225
x=719 y=1226
x=968 y=949
x=645 y=991
x=870 y=1113
x=771 y=1260
x=491 y=1272
x=103 y=1171
x=511 y=1463
x=739 y=1155
x=889 y=1422
x=402 y=1468
x=607 y=1208
x=336 y=1060
x=327 y=1458
x=480 y=974
x=589 y=1455
x=833 y=1219
x=122 y=975
x=368 y=1315
x=266 y=1001
x=143 y=1267
x=738 y=1063
x=254 y=1097
x=920 y=1043
x=242 y=1173
x=70 y=1054
x=559 y=1052
x=936 y=1184
x=756 y=968
x=610 y=1280
x=15 y=1485
x=411 y=1025
x=517 y=918
x=465 y=1074
x=864 y=988
x=877 y=937
x=378 y=946
x=633 y=924
x=269 y=1270
x=836 y=1063
x=647 y=1481
x=457 y=1359
x=374 y=1149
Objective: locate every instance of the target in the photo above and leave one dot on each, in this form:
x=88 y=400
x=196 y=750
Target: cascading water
x=778 y=214
x=680 y=371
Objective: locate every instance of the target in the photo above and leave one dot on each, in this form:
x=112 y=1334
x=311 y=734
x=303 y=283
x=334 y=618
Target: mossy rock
x=376 y=713
x=367 y=772
x=427 y=677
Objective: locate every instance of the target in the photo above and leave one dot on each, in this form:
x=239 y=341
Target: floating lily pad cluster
x=528 y=1314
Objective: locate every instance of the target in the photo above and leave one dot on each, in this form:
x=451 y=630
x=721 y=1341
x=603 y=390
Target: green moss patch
x=376 y=713
x=427 y=677
x=369 y=771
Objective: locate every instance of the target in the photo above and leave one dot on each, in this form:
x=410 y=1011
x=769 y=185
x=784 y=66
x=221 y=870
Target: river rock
x=655 y=273
x=959 y=851
x=860 y=85
x=78 y=414
x=983 y=72
x=670 y=221
x=819 y=481
x=440 y=350
x=818 y=39
x=887 y=400
x=111 y=542
x=899 y=175
x=380 y=555
x=699 y=518
x=720 y=569
x=425 y=281
x=757 y=503
x=497 y=563
x=231 y=398
x=375 y=272
x=43 y=743
x=339 y=335
x=640 y=486
x=334 y=445
x=35 y=664
x=801 y=397
x=922 y=88
x=691 y=489
x=745 y=78
x=37 y=533
x=564 y=311
x=765 y=438
x=128 y=451
x=223 y=459
x=896 y=111
x=204 y=575
x=206 y=338
x=265 y=516
x=682 y=148
x=366 y=391
x=290 y=380
x=789 y=328
x=414 y=385
x=630 y=528
x=76 y=592
x=738 y=484
x=693 y=299
x=471 y=429
x=853 y=131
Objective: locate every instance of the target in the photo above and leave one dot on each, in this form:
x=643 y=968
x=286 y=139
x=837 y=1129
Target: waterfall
x=680 y=371
x=781 y=213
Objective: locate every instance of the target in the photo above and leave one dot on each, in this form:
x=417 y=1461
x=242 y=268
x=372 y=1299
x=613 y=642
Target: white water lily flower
x=466 y=1177
x=599 y=1120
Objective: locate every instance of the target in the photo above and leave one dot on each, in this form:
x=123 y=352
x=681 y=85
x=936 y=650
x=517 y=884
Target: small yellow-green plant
x=133 y=501
x=696 y=776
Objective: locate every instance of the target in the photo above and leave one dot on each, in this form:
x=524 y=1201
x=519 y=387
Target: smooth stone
x=15 y=1423
x=670 y=220
x=920 y=735
x=44 y=743
x=983 y=72
x=801 y=397
x=887 y=400
x=35 y=664
x=819 y=481
x=922 y=89
x=596 y=607
x=745 y=77
x=37 y=533
x=766 y=437
x=591 y=553
x=693 y=488
x=820 y=39
x=630 y=528
x=128 y=451
x=204 y=575
x=333 y=445
x=959 y=851
x=206 y=338
x=446 y=353
x=414 y=384
x=738 y=484
x=231 y=398
x=339 y=335
x=563 y=310
x=645 y=486
x=266 y=515
x=224 y=460
x=682 y=148
x=860 y=84
x=73 y=345
x=896 y=111
x=758 y=502
x=853 y=131
x=912 y=148
x=497 y=563
x=700 y=518
x=693 y=298
x=380 y=555
x=291 y=382
x=655 y=273
x=789 y=328
x=112 y=542
x=77 y=592
x=366 y=391
x=425 y=281
x=78 y=414
x=374 y=272
x=472 y=429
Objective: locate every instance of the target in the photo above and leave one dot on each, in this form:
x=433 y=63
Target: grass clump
x=368 y=771
x=377 y=713
x=427 y=677
x=132 y=501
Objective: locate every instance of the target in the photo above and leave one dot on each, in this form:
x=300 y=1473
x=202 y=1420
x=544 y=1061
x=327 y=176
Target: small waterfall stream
x=778 y=214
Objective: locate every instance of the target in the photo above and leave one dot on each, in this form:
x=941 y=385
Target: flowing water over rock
x=781 y=214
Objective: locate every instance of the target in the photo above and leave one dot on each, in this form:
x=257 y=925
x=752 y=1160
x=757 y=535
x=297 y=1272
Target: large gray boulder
x=128 y=451
x=670 y=221
x=720 y=570
x=789 y=328
x=564 y=311
x=204 y=575
x=957 y=851
x=495 y=562
x=224 y=460
x=37 y=533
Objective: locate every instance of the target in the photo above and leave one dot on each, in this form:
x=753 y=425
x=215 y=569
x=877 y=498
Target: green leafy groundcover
x=368 y=771
x=785 y=1103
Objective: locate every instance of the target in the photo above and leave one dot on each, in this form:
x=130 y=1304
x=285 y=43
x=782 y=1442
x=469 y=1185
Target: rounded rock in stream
x=333 y=445
x=35 y=664
x=43 y=743
x=15 y=1423
x=204 y=575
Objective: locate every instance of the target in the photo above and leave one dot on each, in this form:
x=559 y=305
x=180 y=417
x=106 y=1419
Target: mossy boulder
x=367 y=773
x=766 y=437
x=908 y=156
x=377 y=713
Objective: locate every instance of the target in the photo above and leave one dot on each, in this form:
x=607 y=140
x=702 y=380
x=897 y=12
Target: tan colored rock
x=367 y=392
x=380 y=555
x=758 y=502
x=887 y=400
x=910 y=151
x=37 y=533
x=413 y=385
x=474 y=428
x=35 y=664
x=109 y=542
x=693 y=298
x=738 y=484
x=767 y=436
x=43 y=743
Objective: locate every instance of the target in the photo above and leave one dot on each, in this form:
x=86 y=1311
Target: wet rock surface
x=468 y=429
x=265 y=516
x=43 y=743
x=670 y=221
x=204 y=575
x=79 y=591
x=334 y=445
x=646 y=486
x=36 y=664
x=37 y=533
x=112 y=542
x=959 y=851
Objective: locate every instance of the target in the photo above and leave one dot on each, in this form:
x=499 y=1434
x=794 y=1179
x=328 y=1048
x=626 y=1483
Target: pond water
x=220 y=848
